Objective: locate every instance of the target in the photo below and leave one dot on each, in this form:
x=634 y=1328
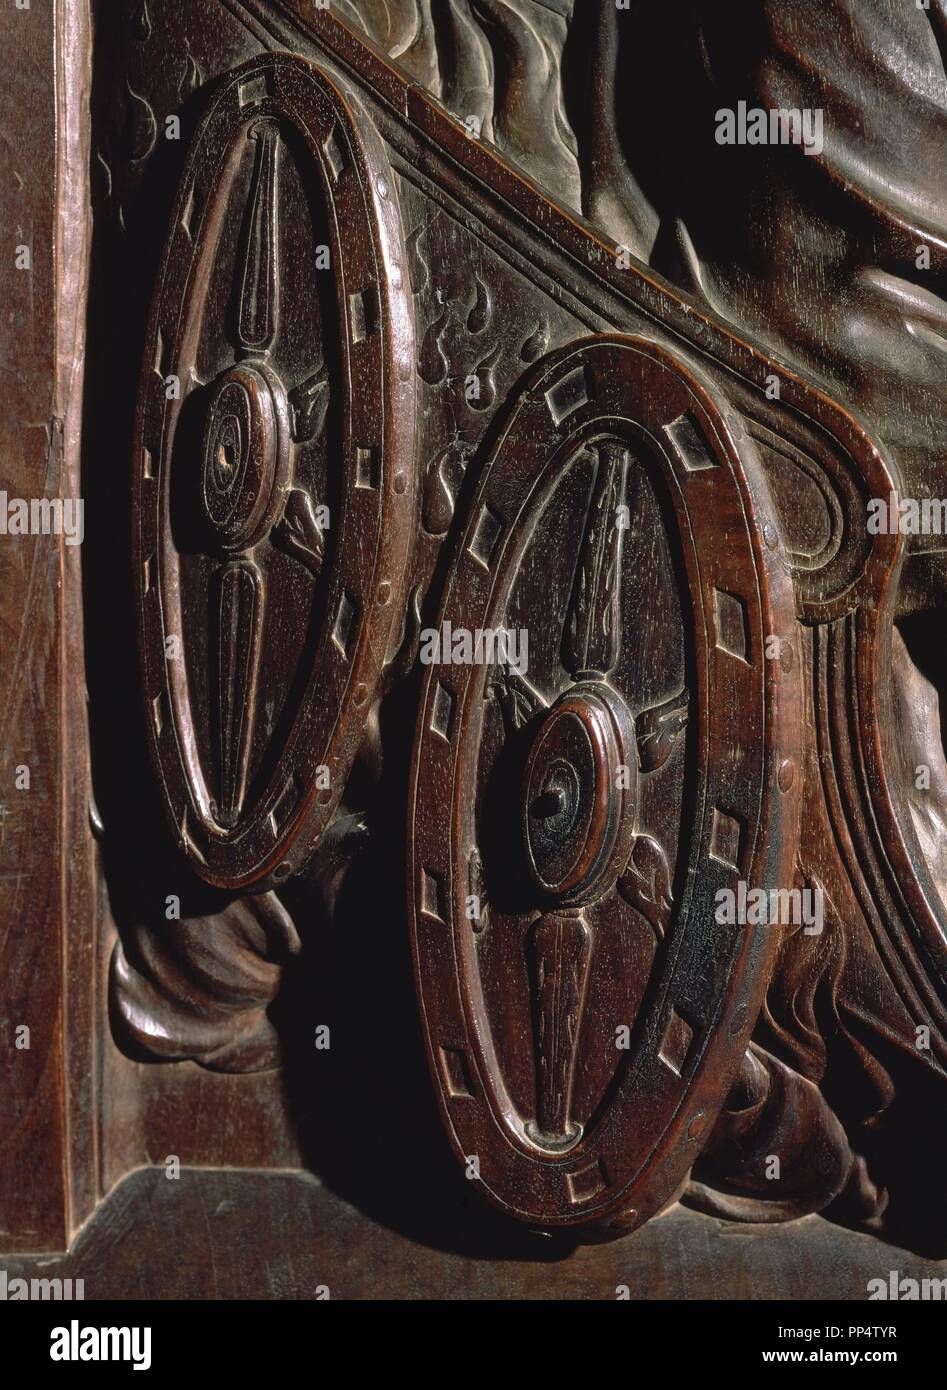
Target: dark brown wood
x=281 y=342
x=484 y=406
x=48 y=1029
x=255 y=1236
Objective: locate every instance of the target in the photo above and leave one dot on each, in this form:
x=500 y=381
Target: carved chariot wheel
x=574 y=814
x=274 y=454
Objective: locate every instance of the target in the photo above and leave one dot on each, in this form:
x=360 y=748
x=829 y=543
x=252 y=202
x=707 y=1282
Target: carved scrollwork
x=202 y=988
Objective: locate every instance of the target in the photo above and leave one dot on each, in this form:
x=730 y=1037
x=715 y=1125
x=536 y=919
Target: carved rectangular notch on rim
x=432 y=897
x=190 y=218
x=366 y=467
x=442 y=712
x=726 y=839
x=588 y=1182
x=732 y=624
x=161 y=348
x=160 y=711
x=334 y=153
x=676 y=1043
x=486 y=536
x=456 y=1073
x=254 y=90
x=568 y=395
x=689 y=444
x=344 y=624
x=364 y=313
x=285 y=804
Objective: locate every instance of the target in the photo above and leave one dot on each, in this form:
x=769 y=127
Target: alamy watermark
x=896 y=1289
x=907 y=516
x=43 y=516
x=778 y=126
x=483 y=646
x=771 y=907
x=16 y=1290
x=77 y=1343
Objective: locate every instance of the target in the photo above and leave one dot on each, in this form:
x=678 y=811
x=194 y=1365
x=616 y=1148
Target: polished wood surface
x=248 y=1235
x=477 y=590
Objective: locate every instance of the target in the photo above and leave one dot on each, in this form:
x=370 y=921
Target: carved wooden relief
x=275 y=472
x=574 y=815
x=491 y=448
x=637 y=565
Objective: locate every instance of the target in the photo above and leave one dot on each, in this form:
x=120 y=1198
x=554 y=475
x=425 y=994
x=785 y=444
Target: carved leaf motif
x=657 y=731
x=646 y=883
x=593 y=634
x=300 y=533
x=309 y=402
x=561 y=947
x=241 y=595
x=256 y=322
x=519 y=700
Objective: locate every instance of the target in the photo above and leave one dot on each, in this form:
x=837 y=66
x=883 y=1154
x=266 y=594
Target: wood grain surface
x=226 y=1235
x=372 y=336
x=48 y=1162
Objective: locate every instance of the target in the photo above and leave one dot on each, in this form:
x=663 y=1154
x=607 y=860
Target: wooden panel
x=355 y=257
x=47 y=1150
x=282 y=1236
